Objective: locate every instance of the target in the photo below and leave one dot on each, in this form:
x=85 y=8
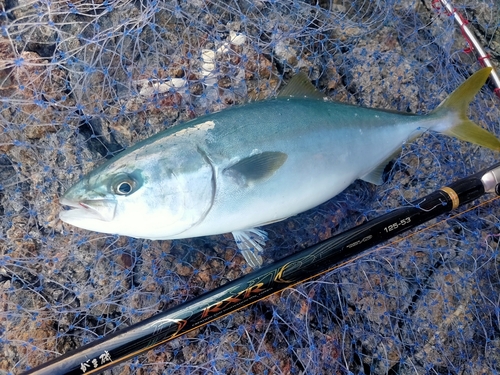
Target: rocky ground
x=80 y=81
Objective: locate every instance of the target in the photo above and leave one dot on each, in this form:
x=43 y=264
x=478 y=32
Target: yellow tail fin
x=458 y=103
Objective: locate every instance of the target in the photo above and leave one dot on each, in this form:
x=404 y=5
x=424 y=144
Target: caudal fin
x=457 y=103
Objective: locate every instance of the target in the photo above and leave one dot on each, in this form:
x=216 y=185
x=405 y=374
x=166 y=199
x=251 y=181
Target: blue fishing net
x=80 y=81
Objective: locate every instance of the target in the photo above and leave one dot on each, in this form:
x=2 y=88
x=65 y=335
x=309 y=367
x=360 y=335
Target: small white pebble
x=178 y=82
x=158 y=88
x=237 y=38
x=207 y=68
x=224 y=48
x=207 y=55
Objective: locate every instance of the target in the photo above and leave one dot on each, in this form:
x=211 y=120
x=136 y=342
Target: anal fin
x=375 y=176
x=250 y=242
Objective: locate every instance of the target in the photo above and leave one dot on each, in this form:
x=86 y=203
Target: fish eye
x=124 y=187
x=125 y=184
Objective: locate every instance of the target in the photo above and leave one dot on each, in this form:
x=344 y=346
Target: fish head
x=144 y=197
x=102 y=199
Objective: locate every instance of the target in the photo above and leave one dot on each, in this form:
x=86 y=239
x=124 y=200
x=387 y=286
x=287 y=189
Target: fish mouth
x=94 y=209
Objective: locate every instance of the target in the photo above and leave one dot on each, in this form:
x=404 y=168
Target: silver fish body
x=242 y=168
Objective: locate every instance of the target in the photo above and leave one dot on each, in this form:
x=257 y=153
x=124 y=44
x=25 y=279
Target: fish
x=254 y=164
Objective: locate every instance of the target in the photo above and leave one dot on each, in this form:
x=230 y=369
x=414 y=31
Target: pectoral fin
x=250 y=244
x=256 y=168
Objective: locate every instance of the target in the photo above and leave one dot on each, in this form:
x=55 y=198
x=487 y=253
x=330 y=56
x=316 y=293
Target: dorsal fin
x=300 y=87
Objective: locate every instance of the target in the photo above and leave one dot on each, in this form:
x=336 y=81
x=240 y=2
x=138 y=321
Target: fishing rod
x=484 y=58
x=313 y=261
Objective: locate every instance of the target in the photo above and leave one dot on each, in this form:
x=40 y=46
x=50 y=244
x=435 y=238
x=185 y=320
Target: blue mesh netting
x=79 y=81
